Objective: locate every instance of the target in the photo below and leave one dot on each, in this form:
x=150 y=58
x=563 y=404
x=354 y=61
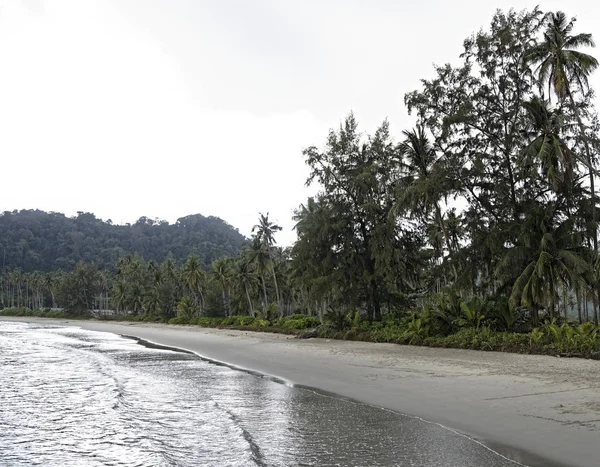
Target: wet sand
x=546 y=406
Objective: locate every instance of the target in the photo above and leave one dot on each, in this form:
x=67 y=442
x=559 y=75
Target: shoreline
x=534 y=409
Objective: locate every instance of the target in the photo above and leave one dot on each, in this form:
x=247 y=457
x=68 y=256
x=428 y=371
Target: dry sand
x=546 y=406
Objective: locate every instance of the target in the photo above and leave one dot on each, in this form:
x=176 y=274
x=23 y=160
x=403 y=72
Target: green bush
x=300 y=323
x=17 y=311
x=244 y=320
x=179 y=320
x=260 y=323
x=207 y=321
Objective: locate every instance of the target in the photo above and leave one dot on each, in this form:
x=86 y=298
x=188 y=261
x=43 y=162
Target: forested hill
x=45 y=241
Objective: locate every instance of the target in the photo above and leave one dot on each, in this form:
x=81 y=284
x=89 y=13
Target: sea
x=73 y=397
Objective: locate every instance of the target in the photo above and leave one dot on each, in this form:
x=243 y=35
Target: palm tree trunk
x=578 y=295
x=592 y=187
x=250 y=308
x=228 y=301
x=264 y=287
x=438 y=213
x=276 y=287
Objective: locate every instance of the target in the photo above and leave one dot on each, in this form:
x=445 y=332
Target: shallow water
x=71 y=397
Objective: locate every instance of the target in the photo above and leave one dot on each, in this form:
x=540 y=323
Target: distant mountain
x=45 y=241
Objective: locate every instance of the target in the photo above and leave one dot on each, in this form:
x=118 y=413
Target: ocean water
x=71 y=397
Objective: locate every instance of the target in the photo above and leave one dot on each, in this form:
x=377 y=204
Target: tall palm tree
x=221 y=274
x=245 y=281
x=194 y=278
x=423 y=180
x=259 y=256
x=565 y=69
x=265 y=233
x=119 y=295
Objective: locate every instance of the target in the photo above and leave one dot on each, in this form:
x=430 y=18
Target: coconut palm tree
x=545 y=257
x=547 y=145
x=259 y=256
x=265 y=233
x=193 y=278
x=245 y=280
x=119 y=295
x=560 y=65
x=186 y=307
x=564 y=69
x=221 y=274
x=422 y=184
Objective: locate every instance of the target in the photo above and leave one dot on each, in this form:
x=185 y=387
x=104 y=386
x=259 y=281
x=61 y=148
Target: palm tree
x=186 y=307
x=152 y=300
x=544 y=257
x=259 y=256
x=119 y=295
x=49 y=283
x=221 y=274
x=422 y=184
x=135 y=298
x=265 y=233
x=194 y=278
x=547 y=146
x=245 y=281
x=562 y=67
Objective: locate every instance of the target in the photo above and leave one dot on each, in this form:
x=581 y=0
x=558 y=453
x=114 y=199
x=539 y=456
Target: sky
x=164 y=108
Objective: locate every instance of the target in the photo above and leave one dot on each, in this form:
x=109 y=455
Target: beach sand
x=546 y=406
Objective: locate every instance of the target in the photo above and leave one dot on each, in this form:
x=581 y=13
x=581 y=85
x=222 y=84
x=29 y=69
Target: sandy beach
x=546 y=406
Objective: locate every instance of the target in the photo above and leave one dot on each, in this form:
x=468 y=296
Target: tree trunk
x=276 y=289
x=578 y=295
x=264 y=287
x=588 y=156
x=375 y=300
x=250 y=308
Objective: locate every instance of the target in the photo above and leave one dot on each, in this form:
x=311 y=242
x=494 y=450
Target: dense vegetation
x=33 y=240
x=477 y=229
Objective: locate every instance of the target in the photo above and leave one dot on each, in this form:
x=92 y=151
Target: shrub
x=179 y=320
x=260 y=323
x=17 y=311
x=293 y=323
x=208 y=321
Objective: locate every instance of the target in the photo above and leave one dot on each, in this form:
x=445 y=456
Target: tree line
x=255 y=281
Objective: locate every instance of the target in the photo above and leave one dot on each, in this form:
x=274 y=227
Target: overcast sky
x=163 y=108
